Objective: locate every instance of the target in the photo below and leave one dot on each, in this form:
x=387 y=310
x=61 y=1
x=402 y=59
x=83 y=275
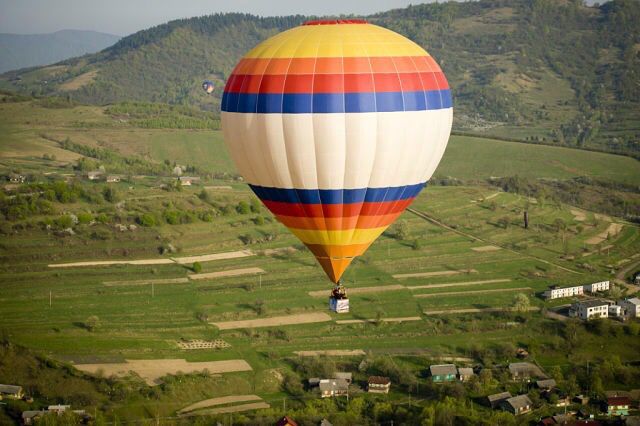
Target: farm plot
x=432 y=274
x=227 y=273
x=146 y=282
x=334 y=352
x=463 y=283
x=274 y=321
x=224 y=400
x=231 y=409
x=151 y=370
x=461 y=293
x=613 y=230
x=373 y=320
x=203 y=344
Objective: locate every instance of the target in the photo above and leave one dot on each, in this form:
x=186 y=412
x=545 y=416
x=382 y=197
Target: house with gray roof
x=11 y=391
x=497 y=398
x=333 y=387
x=443 y=373
x=517 y=404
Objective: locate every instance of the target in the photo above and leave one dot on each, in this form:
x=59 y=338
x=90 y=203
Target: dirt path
x=373 y=320
x=214 y=256
x=219 y=401
x=151 y=370
x=613 y=230
x=274 y=321
x=334 y=352
x=227 y=273
x=432 y=274
x=463 y=283
x=460 y=293
x=231 y=409
x=146 y=282
x=217 y=187
x=180 y=260
x=360 y=290
x=473 y=310
x=474 y=238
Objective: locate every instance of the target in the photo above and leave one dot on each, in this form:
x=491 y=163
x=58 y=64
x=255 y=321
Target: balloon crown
x=335 y=21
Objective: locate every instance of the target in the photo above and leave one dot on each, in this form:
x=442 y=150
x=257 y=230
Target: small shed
x=497 y=398
x=313 y=382
x=29 y=417
x=443 y=373
x=378 y=384
x=546 y=384
x=11 y=391
x=113 y=179
x=517 y=404
x=465 y=374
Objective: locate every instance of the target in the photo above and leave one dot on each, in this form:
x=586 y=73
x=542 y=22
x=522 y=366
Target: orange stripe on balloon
x=338 y=251
x=338 y=223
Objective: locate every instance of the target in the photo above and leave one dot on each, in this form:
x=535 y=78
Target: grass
x=134 y=323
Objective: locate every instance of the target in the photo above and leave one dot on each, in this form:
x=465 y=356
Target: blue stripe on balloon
x=305 y=103
x=337 y=196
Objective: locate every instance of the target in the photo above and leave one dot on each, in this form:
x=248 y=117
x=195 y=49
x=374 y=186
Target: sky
x=123 y=17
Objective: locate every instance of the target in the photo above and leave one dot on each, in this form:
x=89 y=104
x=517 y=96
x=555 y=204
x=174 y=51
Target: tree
x=243 y=207
x=197 y=267
x=109 y=193
x=401 y=230
x=92 y=323
x=521 y=303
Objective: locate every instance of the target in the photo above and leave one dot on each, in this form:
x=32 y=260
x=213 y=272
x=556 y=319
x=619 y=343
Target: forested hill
x=552 y=71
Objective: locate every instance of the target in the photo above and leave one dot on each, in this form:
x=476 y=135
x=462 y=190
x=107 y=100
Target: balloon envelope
x=208 y=86
x=337 y=126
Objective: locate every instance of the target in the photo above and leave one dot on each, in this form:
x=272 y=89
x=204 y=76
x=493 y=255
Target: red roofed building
x=618 y=405
x=286 y=421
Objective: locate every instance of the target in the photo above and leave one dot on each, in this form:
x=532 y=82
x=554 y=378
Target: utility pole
x=260 y=281
x=49 y=298
x=153 y=291
x=284 y=405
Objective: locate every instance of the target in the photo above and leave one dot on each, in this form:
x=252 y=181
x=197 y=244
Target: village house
x=631 y=307
x=29 y=417
x=333 y=387
x=443 y=373
x=95 y=175
x=589 y=309
x=497 y=398
x=615 y=311
x=11 y=391
x=546 y=384
x=618 y=405
x=581 y=399
x=596 y=287
x=378 y=384
x=520 y=404
x=523 y=371
x=557 y=292
x=188 y=180
x=465 y=374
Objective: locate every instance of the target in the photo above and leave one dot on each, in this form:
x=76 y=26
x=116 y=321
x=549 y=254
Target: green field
x=140 y=321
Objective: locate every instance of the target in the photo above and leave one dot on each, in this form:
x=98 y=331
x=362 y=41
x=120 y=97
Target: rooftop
x=592 y=303
x=465 y=371
x=634 y=300
x=618 y=400
x=547 y=383
x=443 y=369
x=10 y=389
x=334 y=385
x=499 y=396
x=520 y=401
x=379 y=380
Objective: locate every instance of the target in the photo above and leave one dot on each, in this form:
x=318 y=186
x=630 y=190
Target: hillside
x=29 y=50
x=545 y=71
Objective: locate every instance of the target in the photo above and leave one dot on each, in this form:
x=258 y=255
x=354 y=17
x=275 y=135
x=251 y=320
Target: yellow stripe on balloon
x=331 y=41
x=348 y=237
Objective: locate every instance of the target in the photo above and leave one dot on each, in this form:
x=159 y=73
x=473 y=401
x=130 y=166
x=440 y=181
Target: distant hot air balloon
x=337 y=126
x=208 y=86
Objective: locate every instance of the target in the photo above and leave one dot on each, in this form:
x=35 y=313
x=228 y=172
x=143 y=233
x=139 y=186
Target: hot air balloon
x=208 y=86
x=337 y=125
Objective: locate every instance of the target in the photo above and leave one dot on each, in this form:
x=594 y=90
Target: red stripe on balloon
x=337 y=210
x=336 y=83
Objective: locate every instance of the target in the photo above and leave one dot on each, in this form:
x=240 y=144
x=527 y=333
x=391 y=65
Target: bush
x=197 y=267
x=146 y=220
x=64 y=222
x=85 y=218
x=243 y=208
